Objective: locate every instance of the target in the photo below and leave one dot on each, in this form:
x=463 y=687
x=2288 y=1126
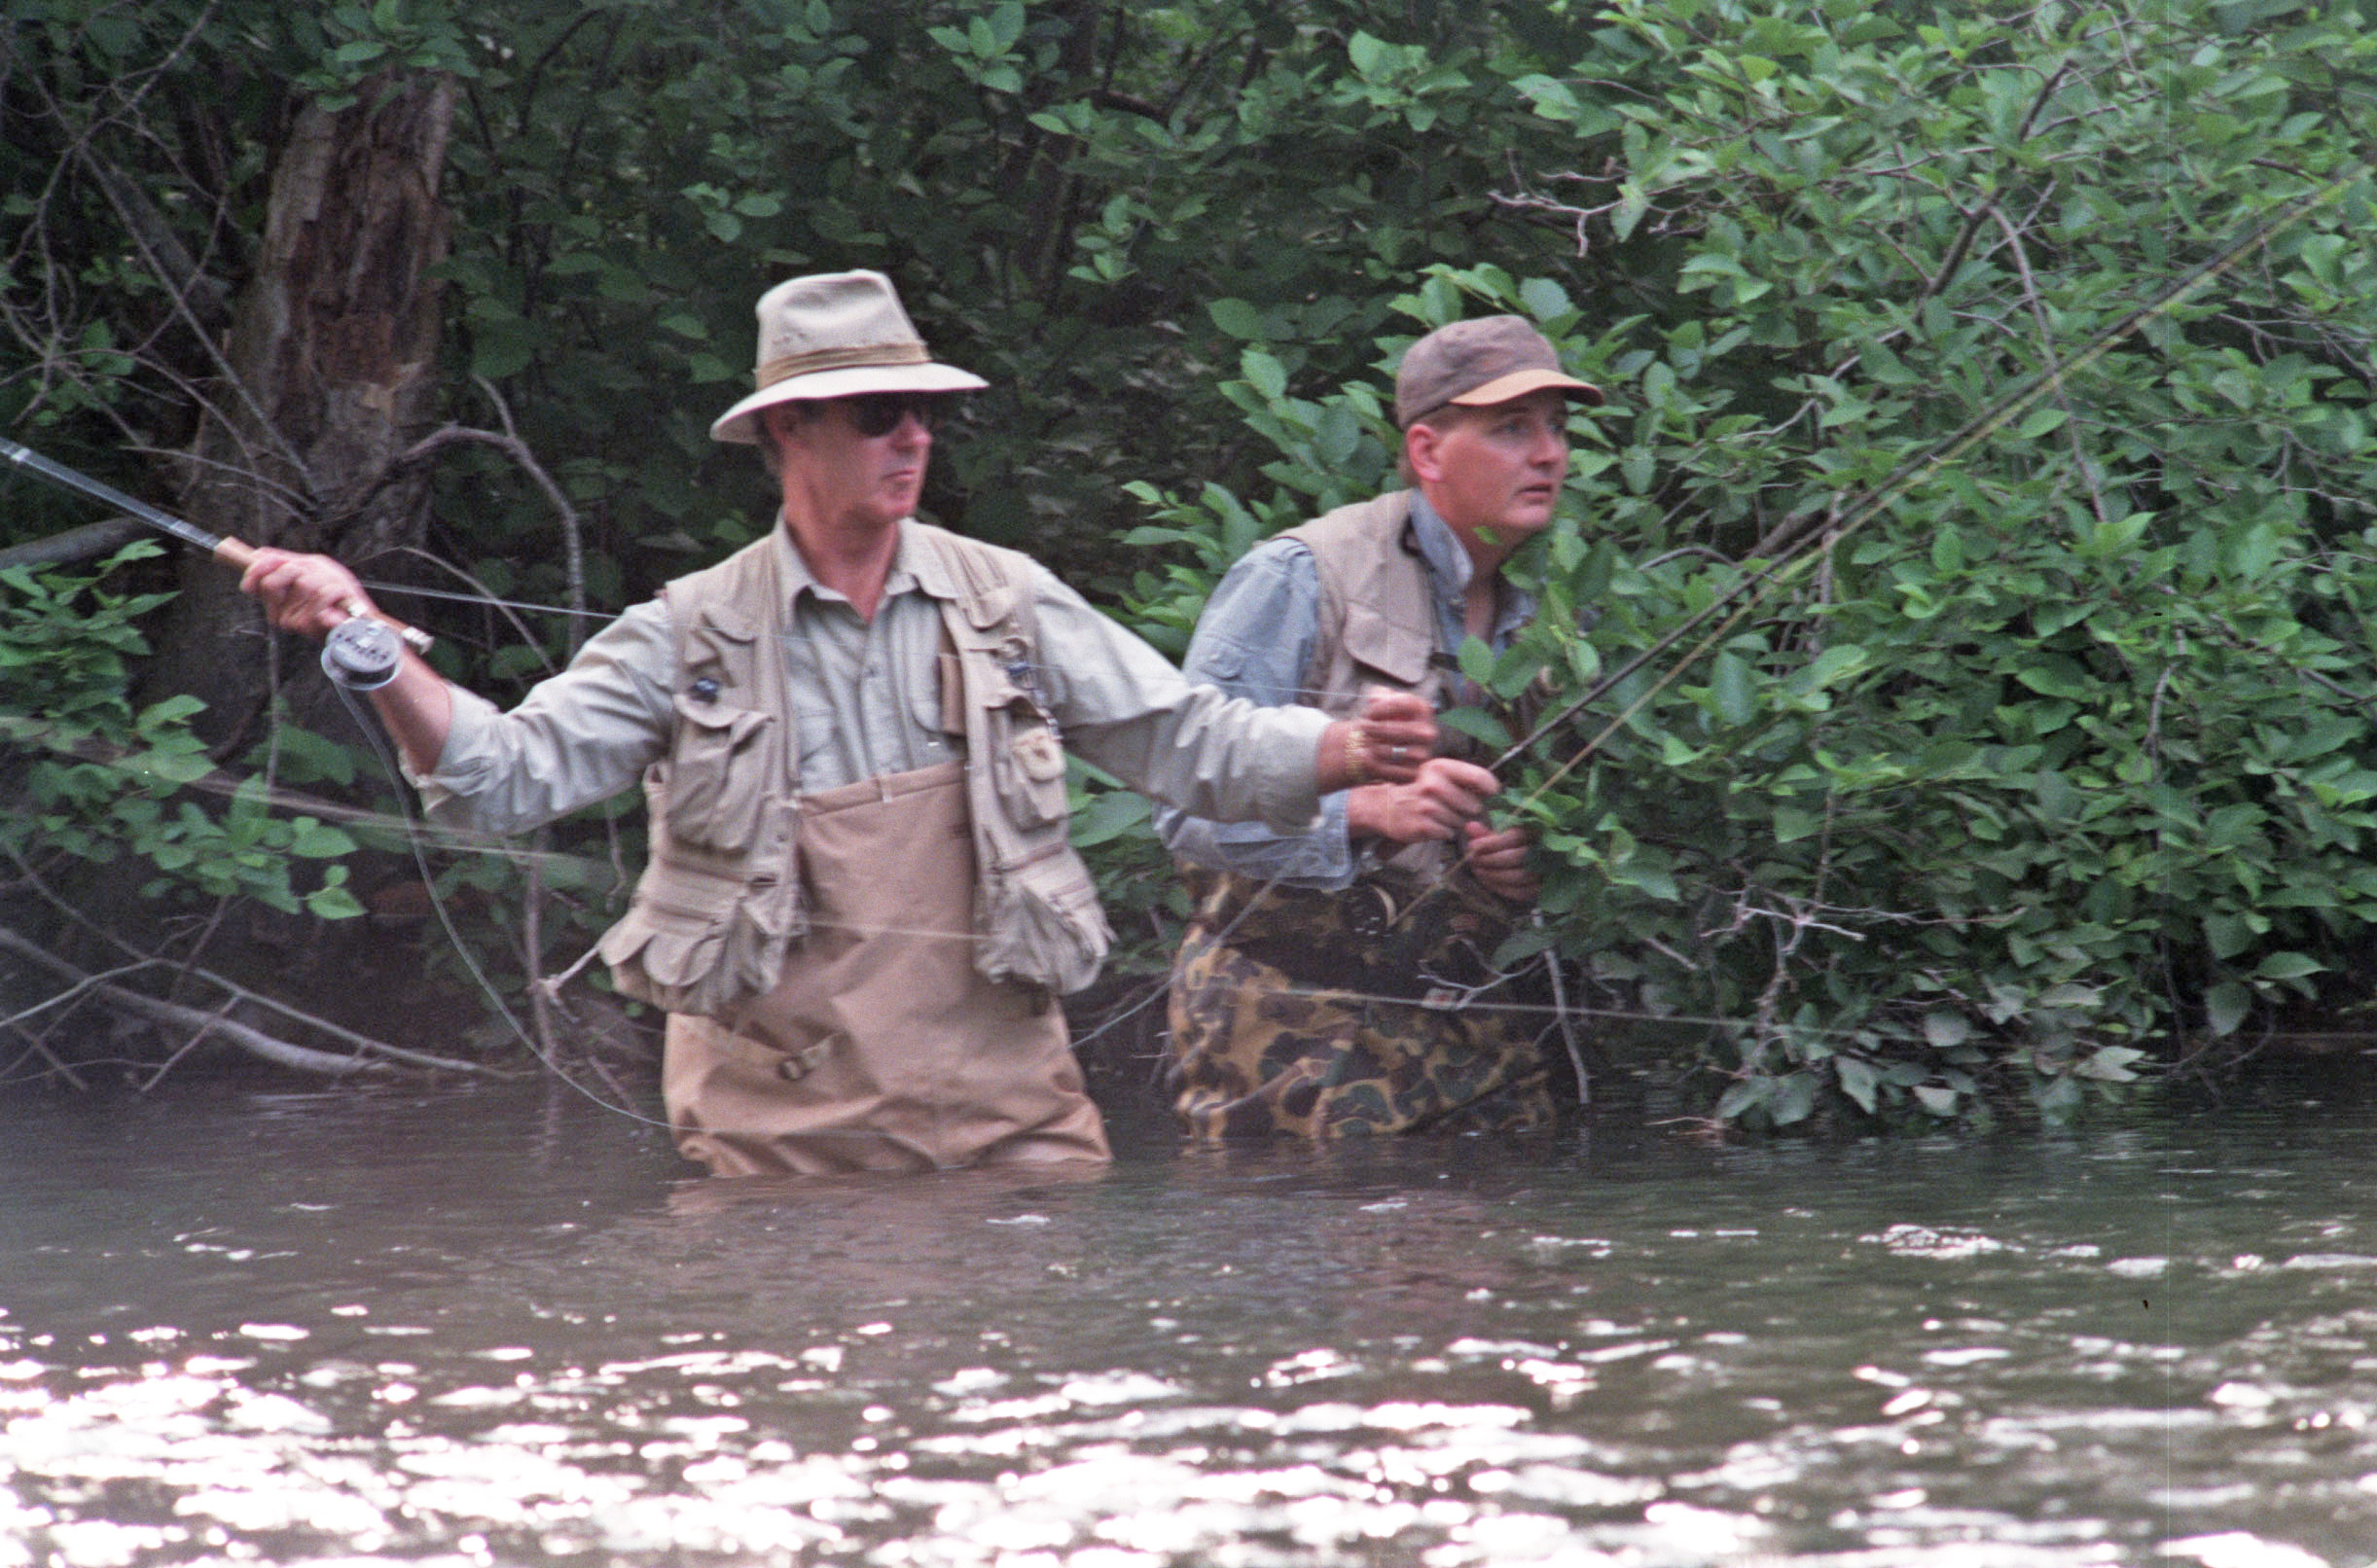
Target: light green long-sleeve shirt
x=867 y=701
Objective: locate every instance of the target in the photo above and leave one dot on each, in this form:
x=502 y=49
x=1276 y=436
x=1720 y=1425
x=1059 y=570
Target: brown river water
x=240 y=1326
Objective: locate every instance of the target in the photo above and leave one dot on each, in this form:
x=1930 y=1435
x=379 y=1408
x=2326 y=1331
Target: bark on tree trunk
x=334 y=349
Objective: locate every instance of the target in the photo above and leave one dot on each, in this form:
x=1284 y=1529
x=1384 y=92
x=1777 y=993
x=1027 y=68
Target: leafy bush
x=2063 y=753
x=95 y=779
x=2060 y=752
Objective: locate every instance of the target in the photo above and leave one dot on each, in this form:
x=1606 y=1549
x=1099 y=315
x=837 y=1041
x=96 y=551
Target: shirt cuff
x=466 y=764
x=1291 y=795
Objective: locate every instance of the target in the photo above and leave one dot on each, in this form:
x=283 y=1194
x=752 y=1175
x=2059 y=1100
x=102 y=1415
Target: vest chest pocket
x=719 y=767
x=1026 y=767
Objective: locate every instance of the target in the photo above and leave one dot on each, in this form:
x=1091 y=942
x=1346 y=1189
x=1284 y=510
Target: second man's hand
x=1391 y=742
x=1435 y=804
x=1497 y=860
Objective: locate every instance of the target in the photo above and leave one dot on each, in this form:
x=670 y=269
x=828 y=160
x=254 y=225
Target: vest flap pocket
x=696 y=942
x=1221 y=659
x=673 y=947
x=1060 y=933
x=989 y=604
x=1028 y=769
x=720 y=635
x=1042 y=758
x=1395 y=651
x=718 y=773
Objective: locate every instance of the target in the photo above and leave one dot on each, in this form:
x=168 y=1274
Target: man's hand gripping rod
x=360 y=652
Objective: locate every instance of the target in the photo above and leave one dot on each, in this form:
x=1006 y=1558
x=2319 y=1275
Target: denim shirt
x=1255 y=640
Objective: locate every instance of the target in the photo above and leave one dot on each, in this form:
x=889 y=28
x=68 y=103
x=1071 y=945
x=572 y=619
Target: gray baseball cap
x=1475 y=364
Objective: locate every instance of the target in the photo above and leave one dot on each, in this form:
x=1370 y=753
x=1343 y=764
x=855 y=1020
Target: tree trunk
x=332 y=349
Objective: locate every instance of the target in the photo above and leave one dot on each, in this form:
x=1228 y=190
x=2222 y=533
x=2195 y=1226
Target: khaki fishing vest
x=720 y=902
x=1377 y=625
x=1375 y=597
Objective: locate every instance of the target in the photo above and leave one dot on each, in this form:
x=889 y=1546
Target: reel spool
x=362 y=654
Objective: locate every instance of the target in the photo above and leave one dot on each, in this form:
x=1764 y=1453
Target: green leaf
x=1371 y=56
x=317 y=840
x=1544 y=299
x=2039 y=421
x=174 y=766
x=2109 y=1064
x=2053 y=675
x=1237 y=317
x=1482 y=728
x=1834 y=664
x=1264 y=373
x=1743 y=1095
x=333 y=904
x=1944 y=1030
x=1110 y=815
x=1857 y=1080
x=1936 y=1098
x=1734 y=686
x=2225 y=1006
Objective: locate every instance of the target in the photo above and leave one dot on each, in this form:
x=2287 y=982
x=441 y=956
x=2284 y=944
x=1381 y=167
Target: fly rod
x=360 y=652
x=1749 y=590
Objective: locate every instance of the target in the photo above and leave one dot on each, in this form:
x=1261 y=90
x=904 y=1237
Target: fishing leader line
x=453 y=936
x=1910 y=472
x=1751 y=589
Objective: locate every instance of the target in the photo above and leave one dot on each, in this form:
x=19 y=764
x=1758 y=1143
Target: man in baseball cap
x=1304 y=1001
x=860 y=900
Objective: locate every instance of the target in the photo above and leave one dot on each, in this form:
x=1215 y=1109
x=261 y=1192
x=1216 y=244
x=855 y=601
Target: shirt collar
x=1450 y=566
x=914 y=568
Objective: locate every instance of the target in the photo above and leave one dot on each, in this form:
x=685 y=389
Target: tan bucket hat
x=1478 y=363
x=832 y=336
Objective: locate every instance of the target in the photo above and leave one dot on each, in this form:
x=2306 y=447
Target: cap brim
x=1519 y=383
x=737 y=424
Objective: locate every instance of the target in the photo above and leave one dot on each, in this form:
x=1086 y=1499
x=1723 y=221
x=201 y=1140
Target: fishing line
x=1751 y=590
x=453 y=936
x=489 y=600
x=1909 y=474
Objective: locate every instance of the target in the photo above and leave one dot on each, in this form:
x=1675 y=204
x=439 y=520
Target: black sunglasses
x=879 y=414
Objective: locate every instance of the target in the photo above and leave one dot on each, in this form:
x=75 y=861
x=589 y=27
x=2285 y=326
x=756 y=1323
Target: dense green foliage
x=91 y=778
x=2064 y=749
x=2069 y=746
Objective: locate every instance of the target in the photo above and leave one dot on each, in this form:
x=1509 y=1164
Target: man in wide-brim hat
x=1333 y=981
x=860 y=900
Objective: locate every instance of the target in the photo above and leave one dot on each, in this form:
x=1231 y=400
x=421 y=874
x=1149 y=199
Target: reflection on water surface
x=509 y=1329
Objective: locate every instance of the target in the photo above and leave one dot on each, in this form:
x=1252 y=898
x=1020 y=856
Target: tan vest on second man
x=1378 y=622
x=720 y=900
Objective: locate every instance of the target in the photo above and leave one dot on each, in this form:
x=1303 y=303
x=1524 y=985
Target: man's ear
x=1423 y=452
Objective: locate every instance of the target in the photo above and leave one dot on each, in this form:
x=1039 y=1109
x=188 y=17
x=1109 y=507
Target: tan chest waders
x=880 y=1046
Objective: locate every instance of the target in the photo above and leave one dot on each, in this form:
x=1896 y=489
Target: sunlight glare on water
x=494 y=1328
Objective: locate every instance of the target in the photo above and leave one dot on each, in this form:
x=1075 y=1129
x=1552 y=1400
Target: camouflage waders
x=1320 y=1014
